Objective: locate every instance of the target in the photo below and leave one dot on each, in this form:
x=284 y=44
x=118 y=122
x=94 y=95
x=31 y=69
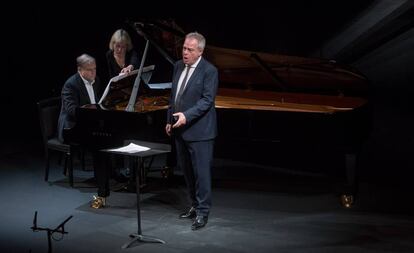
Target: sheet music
x=130 y=148
x=122 y=76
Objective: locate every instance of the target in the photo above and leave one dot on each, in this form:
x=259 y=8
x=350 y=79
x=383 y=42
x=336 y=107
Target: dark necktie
x=180 y=92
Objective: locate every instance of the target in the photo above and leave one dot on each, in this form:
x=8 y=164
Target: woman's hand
x=127 y=69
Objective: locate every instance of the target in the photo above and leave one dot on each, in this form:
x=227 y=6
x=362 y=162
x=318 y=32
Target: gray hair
x=84 y=59
x=199 y=37
x=120 y=35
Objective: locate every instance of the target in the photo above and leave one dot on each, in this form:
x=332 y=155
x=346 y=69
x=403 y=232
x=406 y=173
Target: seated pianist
x=83 y=115
x=84 y=87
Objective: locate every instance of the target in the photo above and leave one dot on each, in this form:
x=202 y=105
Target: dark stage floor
x=275 y=212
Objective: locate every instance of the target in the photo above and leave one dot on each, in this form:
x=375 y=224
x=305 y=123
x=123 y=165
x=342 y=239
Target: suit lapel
x=84 y=93
x=178 y=74
x=177 y=78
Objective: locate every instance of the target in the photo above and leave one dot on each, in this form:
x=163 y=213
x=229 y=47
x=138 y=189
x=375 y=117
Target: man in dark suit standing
x=191 y=119
x=84 y=87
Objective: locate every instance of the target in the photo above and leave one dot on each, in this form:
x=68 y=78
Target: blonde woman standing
x=121 y=56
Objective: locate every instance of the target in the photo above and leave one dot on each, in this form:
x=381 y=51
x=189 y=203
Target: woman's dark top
x=114 y=69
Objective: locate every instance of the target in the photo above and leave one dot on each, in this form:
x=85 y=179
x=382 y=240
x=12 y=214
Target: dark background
x=42 y=43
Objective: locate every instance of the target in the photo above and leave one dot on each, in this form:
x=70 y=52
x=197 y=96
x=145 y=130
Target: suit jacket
x=197 y=101
x=74 y=94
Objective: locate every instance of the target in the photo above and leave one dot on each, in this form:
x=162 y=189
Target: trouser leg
x=201 y=153
x=184 y=163
x=102 y=173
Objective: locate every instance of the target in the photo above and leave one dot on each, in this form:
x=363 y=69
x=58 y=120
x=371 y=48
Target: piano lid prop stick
x=131 y=103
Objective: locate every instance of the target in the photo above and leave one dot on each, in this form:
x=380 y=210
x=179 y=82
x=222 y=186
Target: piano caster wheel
x=347 y=200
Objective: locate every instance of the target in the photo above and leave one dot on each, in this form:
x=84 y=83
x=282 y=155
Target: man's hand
x=181 y=120
x=168 y=129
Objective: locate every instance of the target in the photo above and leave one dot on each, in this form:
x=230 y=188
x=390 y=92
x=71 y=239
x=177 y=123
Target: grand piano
x=275 y=109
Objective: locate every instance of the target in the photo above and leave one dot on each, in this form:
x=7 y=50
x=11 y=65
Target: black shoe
x=199 y=222
x=191 y=213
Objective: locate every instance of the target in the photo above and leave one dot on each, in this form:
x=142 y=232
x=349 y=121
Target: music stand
x=155 y=149
x=59 y=229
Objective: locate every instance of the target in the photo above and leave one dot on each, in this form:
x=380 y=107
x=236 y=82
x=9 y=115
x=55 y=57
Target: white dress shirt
x=190 y=73
x=89 y=88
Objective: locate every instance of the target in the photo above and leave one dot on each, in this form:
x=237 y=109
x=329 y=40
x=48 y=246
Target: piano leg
x=347 y=197
x=350 y=160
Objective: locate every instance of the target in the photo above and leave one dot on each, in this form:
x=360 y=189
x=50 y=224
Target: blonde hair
x=120 y=35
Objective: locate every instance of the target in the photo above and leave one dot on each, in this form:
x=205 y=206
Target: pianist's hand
x=181 y=120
